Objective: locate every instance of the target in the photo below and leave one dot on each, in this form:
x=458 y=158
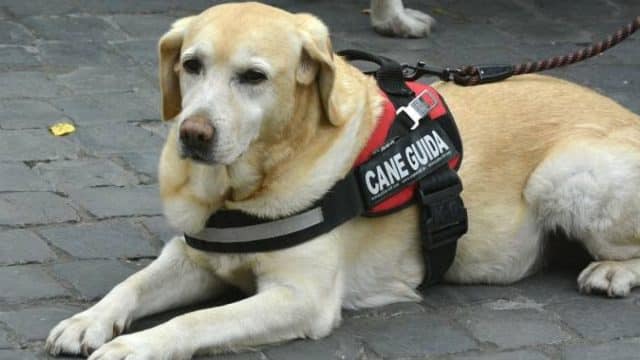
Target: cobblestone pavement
x=80 y=213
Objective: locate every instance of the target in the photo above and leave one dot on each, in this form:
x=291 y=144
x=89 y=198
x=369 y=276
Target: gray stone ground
x=80 y=213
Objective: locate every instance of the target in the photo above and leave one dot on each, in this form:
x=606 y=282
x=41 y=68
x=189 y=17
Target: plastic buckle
x=418 y=108
x=444 y=217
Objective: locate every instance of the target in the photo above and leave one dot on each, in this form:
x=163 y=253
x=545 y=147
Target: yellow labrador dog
x=266 y=119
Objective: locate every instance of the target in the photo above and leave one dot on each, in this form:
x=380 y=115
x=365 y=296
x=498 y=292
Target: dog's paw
x=408 y=23
x=83 y=333
x=610 y=277
x=145 y=345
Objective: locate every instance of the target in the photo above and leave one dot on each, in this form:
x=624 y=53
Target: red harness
x=379 y=137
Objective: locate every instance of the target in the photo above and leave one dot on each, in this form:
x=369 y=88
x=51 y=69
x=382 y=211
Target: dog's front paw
x=145 y=345
x=610 y=277
x=407 y=23
x=83 y=333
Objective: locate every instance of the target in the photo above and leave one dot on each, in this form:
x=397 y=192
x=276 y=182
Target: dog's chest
x=233 y=269
x=241 y=277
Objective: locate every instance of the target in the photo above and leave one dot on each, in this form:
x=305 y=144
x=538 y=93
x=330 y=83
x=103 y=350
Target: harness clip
x=412 y=73
x=418 y=108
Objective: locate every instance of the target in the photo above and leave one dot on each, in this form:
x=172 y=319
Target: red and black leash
x=481 y=74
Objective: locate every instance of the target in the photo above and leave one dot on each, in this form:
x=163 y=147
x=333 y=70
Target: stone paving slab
x=68 y=175
x=80 y=213
x=12 y=33
x=105 y=202
x=23 y=246
x=76 y=53
x=406 y=335
x=4 y=342
x=93 y=278
x=141 y=52
x=118 y=138
x=455 y=295
x=339 y=345
x=599 y=319
x=35 y=145
x=18 y=57
x=124 y=6
x=35 y=323
x=512 y=329
x=73 y=28
x=159 y=228
x=28 y=84
x=18 y=177
x=509 y=355
x=27 y=282
x=146 y=164
x=29 y=114
x=145 y=26
x=36 y=7
x=101 y=109
x=17 y=354
x=106 y=239
x=96 y=80
x=245 y=356
x=545 y=289
x=615 y=350
x=19 y=209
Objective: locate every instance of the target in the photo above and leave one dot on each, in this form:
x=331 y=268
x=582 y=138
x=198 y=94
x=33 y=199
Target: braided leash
x=475 y=74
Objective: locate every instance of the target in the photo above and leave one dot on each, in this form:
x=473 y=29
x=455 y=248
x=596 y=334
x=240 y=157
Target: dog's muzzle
x=197 y=136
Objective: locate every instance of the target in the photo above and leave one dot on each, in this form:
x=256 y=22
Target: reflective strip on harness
x=262 y=231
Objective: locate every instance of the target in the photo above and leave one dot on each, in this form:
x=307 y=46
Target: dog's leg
x=169 y=281
x=591 y=191
x=389 y=17
x=296 y=298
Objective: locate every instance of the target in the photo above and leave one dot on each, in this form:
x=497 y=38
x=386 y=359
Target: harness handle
x=390 y=74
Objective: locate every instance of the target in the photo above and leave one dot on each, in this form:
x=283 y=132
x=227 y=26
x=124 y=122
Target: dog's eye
x=252 y=76
x=192 y=66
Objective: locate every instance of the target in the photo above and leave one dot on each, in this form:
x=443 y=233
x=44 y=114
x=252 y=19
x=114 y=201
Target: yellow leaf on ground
x=62 y=128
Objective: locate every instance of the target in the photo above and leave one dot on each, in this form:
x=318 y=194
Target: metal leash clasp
x=412 y=73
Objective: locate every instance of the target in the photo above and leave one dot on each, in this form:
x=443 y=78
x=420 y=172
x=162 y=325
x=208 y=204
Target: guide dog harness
x=411 y=158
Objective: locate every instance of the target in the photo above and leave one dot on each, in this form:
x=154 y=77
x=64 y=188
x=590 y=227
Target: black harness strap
x=443 y=220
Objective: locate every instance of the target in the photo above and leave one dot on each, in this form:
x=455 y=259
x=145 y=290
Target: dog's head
x=230 y=75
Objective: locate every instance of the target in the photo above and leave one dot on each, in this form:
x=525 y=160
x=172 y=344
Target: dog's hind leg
x=503 y=244
x=169 y=281
x=590 y=190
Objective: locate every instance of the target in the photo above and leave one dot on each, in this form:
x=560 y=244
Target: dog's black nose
x=196 y=133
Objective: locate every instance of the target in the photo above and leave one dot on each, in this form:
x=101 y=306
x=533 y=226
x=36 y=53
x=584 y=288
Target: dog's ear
x=317 y=63
x=169 y=54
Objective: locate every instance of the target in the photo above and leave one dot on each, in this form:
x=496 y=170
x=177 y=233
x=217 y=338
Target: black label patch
x=404 y=161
